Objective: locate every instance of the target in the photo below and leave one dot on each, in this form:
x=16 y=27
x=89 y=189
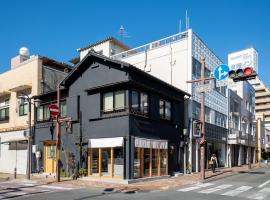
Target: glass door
x=106 y=161
x=146 y=169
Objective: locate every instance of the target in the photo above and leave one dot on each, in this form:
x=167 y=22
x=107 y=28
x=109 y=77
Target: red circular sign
x=54 y=109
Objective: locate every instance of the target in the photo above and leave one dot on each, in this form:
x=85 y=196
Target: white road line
x=211 y=190
x=237 y=191
x=264 y=184
x=202 y=185
x=260 y=194
x=54 y=187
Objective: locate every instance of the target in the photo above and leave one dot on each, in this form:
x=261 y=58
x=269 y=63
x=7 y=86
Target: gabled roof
x=51 y=62
x=112 y=39
x=80 y=67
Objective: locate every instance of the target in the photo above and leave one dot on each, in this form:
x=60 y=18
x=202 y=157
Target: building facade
x=31 y=76
x=262 y=116
x=176 y=60
x=127 y=123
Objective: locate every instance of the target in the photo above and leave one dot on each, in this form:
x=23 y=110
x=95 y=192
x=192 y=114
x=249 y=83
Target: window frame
x=140 y=109
x=23 y=106
x=114 y=109
x=163 y=114
x=5 y=107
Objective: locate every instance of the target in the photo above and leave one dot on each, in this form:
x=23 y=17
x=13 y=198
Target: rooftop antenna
x=187 y=21
x=122 y=33
x=180 y=26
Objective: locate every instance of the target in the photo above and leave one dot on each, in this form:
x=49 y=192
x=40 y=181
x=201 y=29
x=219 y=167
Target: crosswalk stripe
x=211 y=190
x=54 y=187
x=237 y=191
x=260 y=194
x=198 y=186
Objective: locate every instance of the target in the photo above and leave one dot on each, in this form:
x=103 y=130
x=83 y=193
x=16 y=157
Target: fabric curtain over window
x=151 y=143
x=108 y=101
x=120 y=99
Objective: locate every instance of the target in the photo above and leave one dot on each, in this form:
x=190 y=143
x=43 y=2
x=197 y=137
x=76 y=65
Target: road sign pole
x=202 y=149
x=58 y=133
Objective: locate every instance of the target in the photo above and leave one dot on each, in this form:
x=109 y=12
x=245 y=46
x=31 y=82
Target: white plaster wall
x=164 y=60
x=8 y=158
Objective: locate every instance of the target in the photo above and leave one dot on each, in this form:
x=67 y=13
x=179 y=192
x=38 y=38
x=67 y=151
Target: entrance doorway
x=50 y=156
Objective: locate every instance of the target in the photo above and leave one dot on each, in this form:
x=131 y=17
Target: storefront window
x=118 y=161
x=137 y=163
x=146 y=170
x=163 y=161
x=111 y=160
x=95 y=161
x=154 y=162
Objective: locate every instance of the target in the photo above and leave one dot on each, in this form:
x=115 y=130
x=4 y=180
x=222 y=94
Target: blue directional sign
x=221 y=72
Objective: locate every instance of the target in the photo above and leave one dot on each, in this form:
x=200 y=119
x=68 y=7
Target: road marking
x=265 y=183
x=211 y=190
x=237 y=191
x=198 y=186
x=54 y=187
x=260 y=194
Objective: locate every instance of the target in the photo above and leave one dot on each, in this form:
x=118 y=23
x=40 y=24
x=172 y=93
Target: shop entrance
x=50 y=156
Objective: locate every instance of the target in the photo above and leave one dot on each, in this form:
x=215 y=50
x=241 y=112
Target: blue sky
x=57 y=28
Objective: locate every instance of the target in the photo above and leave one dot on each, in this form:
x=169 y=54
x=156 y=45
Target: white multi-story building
x=241 y=140
x=176 y=59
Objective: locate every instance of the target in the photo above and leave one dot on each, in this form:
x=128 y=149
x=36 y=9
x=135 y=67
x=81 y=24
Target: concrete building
x=262 y=116
x=28 y=75
x=242 y=125
x=175 y=60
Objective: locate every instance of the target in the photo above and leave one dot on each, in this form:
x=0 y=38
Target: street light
x=36 y=103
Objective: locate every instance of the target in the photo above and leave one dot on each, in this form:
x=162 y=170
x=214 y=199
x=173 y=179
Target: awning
x=14 y=140
x=151 y=143
x=105 y=142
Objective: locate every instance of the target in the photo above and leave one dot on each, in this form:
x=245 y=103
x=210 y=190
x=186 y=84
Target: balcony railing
x=152 y=45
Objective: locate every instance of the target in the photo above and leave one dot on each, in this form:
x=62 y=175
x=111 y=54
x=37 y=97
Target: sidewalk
x=153 y=185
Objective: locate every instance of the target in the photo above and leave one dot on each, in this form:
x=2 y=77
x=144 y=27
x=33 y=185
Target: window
x=144 y=103
x=114 y=101
x=63 y=109
x=139 y=101
x=119 y=100
x=135 y=100
x=4 y=110
x=43 y=112
x=165 y=109
x=18 y=145
x=23 y=107
x=108 y=101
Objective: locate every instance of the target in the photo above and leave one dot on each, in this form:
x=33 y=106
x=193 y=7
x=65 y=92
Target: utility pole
x=202 y=117
x=29 y=154
x=202 y=148
x=58 y=133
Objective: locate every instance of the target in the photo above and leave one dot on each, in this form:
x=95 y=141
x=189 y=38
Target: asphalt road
x=252 y=185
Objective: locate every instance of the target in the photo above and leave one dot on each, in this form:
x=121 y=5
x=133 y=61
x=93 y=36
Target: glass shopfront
x=150 y=158
x=106 y=158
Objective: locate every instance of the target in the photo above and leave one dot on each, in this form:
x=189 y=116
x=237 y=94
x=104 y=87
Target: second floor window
x=165 y=109
x=23 y=107
x=43 y=112
x=4 y=110
x=139 y=101
x=113 y=101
